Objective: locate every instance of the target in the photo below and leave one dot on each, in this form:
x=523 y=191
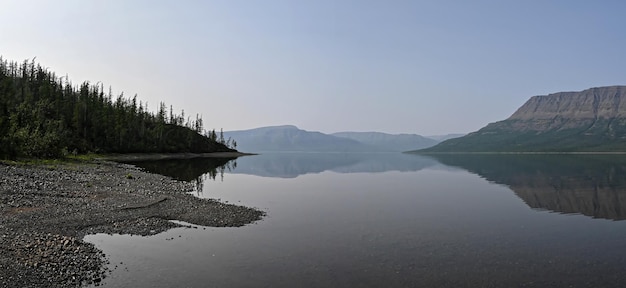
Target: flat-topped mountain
x=389 y=142
x=590 y=120
x=571 y=109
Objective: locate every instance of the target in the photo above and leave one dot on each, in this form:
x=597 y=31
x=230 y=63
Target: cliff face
x=570 y=109
x=601 y=102
x=589 y=120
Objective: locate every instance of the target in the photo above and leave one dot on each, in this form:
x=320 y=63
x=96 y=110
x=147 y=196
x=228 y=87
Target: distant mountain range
x=290 y=138
x=593 y=120
x=389 y=142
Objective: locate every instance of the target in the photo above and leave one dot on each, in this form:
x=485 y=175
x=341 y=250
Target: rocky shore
x=47 y=209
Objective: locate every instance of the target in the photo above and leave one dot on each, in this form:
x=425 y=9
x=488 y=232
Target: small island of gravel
x=48 y=209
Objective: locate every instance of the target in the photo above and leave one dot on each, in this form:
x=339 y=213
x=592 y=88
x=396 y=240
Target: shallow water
x=395 y=220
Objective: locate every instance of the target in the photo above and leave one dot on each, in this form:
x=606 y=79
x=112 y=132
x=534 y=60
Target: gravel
x=46 y=210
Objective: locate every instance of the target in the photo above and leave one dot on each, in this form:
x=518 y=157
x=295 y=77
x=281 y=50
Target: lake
x=391 y=220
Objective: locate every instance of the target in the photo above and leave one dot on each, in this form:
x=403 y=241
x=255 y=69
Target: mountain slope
x=389 y=142
x=291 y=139
x=441 y=138
x=589 y=120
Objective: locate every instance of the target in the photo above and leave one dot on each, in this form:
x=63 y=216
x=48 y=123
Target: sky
x=424 y=67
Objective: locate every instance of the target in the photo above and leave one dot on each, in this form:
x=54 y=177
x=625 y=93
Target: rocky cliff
x=603 y=102
x=566 y=110
x=589 y=120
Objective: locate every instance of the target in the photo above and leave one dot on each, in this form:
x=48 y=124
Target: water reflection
x=591 y=185
x=284 y=165
x=439 y=226
x=196 y=170
x=291 y=165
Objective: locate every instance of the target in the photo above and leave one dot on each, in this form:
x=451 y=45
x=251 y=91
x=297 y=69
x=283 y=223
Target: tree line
x=46 y=116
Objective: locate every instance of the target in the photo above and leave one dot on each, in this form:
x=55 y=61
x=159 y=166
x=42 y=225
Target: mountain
x=389 y=142
x=441 y=138
x=291 y=139
x=593 y=120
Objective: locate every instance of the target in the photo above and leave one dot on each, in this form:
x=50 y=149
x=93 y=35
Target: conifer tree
x=42 y=115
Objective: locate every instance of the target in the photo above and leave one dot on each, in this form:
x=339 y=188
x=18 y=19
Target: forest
x=46 y=116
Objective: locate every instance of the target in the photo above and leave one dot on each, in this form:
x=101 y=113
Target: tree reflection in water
x=195 y=170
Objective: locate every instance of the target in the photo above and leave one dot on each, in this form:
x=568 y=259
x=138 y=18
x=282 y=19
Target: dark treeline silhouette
x=42 y=115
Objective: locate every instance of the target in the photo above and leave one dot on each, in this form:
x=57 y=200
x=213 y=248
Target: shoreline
x=132 y=157
x=48 y=209
x=523 y=153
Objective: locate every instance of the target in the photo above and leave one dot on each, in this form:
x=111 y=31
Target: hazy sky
x=426 y=67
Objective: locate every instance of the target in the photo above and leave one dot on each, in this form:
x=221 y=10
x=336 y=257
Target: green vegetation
x=598 y=135
x=45 y=116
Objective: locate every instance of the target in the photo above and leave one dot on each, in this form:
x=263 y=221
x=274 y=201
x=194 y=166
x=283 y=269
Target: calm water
x=392 y=220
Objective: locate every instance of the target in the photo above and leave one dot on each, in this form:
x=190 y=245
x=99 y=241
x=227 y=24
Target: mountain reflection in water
x=591 y=185
x=291 y=165
x=391 y=220
x=285 y=165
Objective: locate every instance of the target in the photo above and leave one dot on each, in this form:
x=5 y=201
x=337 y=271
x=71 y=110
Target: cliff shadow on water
x=591 y=185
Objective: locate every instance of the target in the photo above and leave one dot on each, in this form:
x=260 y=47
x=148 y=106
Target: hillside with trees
x=46 y=116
